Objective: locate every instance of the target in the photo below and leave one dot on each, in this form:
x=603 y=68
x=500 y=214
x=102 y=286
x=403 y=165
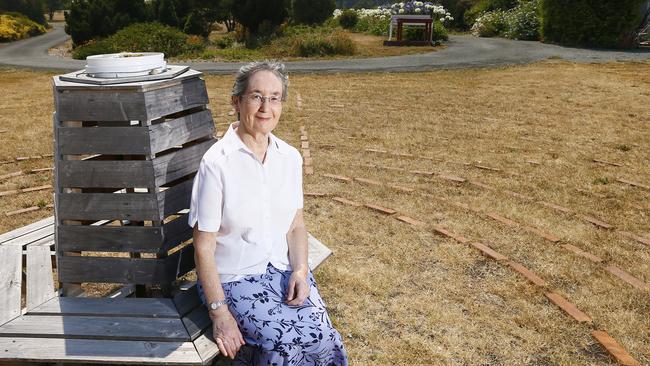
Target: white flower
x=418 y=10
x=337 y=13
x=401 y=11
x=442 y=20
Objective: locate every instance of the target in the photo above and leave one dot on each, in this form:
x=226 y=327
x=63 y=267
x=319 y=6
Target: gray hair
x=245 y=72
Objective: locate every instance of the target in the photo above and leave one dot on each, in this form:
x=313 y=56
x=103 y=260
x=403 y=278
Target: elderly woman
x=250 y=238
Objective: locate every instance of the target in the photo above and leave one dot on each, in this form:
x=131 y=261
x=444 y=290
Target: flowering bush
x=377 y=21
x=420 y=8
x=14 y=26
x=521 y=22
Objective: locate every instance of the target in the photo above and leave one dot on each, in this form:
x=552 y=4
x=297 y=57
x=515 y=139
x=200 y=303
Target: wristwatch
x=216 y=305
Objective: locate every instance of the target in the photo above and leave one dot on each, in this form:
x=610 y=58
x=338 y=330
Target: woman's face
x=260 y=118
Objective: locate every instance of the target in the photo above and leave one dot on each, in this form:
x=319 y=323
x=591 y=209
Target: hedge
x=590 y=23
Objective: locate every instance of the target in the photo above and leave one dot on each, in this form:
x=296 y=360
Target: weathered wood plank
x=10 y=282
x=181 y=130
x=197 y=321
x=178 y=164
x=79 y=269
x=48 y=221
x=34 y=236
x=98 y=351
x=106 y=173
x=206 y=346
x=187 y=300
x=133 y=140
x=93 y=327
x=185 y=95
x=175 y=199
x=128 y=104
x=176 y=232
x=138 y=239
x=101 y=206
x=40 y=281
x=121 y=307
x=125 y=270
x=318 y=252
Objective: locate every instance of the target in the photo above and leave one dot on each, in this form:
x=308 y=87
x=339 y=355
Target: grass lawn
x=403 y=294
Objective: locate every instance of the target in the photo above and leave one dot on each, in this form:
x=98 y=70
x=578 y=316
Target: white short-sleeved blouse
x=251 y=205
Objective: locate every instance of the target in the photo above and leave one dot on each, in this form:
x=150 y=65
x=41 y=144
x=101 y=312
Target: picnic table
x=399 y=21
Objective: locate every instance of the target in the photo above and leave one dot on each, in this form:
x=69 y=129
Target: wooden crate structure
x=125 y=157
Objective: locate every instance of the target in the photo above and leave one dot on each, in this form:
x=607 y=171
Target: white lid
x=125 y=62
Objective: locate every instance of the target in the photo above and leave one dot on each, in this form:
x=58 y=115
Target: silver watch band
x=216 y=305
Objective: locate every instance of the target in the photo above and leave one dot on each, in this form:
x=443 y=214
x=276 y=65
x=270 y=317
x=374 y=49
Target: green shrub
x=522 y=22
x=15 y=26
x=348 y=19
x=440 y=33
x=225 y=41
x=482 y=6
x=373 y=25
x=490 y=24
x=143 y=37
x=314 y=44
x=312 y=11
x=591 y=23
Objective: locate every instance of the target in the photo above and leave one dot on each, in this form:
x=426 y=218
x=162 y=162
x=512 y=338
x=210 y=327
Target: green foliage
x=90 y=19
x=312 y=11
x=315 y=44
x=373 y=25
x=143 y=37
x=483 y=6
x=167 y=13
x=604 y=23
x=32 y=9
x=252 y=13
x=348 y=19
x=521 y=22
x=440 y=33
x=15 y=26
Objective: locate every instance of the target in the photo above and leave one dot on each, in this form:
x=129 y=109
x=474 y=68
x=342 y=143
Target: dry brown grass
x=403 y=295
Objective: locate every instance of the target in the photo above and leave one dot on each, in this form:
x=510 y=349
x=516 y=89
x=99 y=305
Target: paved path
x=462 y=52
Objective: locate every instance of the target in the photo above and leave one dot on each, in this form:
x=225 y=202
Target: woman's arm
x=298 y=289
x=224 y=327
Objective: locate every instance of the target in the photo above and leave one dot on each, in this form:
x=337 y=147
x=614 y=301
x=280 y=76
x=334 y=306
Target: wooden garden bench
x=116 y=330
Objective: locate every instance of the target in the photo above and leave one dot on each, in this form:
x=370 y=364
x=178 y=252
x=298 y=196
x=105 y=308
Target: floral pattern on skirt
x=280 y=334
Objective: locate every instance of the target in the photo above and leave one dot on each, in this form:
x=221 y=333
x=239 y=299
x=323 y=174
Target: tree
x=167 y=13
x=224 y=14
x=51 y=6
x=33 y=9
x=252 y=13
x=90 y=19
x=312 y=11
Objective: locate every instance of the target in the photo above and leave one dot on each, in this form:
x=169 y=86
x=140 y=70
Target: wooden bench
x=97 y=330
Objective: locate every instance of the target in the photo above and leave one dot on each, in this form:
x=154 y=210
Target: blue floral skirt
x=276 y=333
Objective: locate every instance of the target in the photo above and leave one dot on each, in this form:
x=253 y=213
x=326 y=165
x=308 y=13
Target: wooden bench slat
x=93 y=327
x=31 y=237
x=10 y=282
x=197 y=321
x=98 y=351
x=187 y=300
x=40 y=280
x=318 y=252
x=48 y=221
x=206 y=346
x=123 y=307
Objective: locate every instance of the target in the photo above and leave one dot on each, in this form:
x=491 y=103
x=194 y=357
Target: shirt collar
x=232 y=142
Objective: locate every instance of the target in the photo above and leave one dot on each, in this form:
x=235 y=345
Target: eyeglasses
x=256 y=100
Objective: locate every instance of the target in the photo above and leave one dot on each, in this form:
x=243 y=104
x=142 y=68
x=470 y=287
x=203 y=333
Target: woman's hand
x=298 y=288
x=226 y=332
